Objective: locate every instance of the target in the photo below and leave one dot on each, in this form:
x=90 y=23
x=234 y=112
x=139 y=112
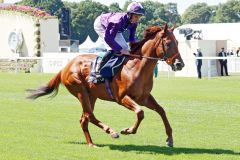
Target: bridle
x=168 y=60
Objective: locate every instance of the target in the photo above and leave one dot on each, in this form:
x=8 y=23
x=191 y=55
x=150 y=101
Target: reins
x=140 y=56
x=165 y=58
x=147 y=57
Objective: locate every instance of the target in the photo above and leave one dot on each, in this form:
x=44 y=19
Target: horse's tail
x=50 y=88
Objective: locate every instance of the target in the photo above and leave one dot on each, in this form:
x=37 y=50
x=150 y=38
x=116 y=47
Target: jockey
x=110 y=26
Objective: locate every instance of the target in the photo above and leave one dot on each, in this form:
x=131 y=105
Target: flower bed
x=25 y=9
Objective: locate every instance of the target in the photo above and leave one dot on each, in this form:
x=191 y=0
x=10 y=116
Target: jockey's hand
x=125 y=52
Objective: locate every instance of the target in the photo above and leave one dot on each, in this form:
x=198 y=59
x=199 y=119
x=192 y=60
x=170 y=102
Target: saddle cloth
x=108 y=70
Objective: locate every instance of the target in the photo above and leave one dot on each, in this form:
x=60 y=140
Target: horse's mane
x=151 y=31
x=147 y=34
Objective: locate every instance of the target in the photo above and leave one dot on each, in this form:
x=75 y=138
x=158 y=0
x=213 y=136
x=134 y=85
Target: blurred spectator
x=237 y=52
x=198 y=62
x=223 y=62
x=228 y=53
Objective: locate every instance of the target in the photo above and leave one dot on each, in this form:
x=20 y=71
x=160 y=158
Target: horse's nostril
x=178 y=64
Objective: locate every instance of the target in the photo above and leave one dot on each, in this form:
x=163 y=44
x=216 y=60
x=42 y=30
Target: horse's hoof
x=115 y=135
x=93 y=146
x=169 y=142
x=125 y=131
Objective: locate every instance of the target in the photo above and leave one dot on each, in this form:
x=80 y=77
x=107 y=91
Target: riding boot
x=105 y=58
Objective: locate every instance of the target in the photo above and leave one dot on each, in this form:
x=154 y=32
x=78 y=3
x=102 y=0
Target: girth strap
x=108 y=88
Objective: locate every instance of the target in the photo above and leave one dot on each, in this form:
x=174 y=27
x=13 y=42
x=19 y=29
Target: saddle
x=108 y=70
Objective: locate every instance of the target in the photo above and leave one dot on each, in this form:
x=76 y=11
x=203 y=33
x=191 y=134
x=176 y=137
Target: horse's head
x=166 y=47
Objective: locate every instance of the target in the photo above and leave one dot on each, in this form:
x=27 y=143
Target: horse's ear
x=165 y=27
x=174 y=26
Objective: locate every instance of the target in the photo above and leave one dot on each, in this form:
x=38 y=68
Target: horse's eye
x=168 y=45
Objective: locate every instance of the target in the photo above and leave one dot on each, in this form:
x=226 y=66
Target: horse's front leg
x=152 y=104
x=132 y=105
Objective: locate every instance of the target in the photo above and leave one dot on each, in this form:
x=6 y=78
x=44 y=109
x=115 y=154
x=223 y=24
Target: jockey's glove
x=124 y=52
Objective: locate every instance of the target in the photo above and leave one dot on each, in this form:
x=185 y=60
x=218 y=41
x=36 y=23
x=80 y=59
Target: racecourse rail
x=210 y=63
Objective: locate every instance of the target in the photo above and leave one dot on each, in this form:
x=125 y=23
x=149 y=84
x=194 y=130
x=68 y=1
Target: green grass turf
x=204 y=114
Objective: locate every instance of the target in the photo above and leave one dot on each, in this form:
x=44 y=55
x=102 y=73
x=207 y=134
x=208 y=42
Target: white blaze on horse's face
x=177 y=65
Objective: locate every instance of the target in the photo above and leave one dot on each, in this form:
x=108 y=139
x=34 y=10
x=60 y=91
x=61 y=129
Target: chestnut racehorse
x=131 y=86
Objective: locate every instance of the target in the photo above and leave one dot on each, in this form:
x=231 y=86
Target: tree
x=197 y=13
x=213 y=9
x=157 y=14
x=50 y=6
x=172 y=14
x=114 y=7
x=228 y=12
x=83 y=15
x=126 y=4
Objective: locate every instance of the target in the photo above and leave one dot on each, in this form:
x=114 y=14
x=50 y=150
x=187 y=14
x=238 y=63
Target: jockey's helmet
x=136 y=8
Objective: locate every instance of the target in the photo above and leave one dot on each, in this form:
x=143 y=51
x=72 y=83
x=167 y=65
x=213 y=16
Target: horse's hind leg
x=88 y=116
x=84 y=120
x=130 y=104
x=152 y=104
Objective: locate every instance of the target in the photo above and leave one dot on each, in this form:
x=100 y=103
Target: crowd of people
x=223 y=62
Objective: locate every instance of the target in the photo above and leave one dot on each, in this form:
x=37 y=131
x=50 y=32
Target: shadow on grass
x=152 y=149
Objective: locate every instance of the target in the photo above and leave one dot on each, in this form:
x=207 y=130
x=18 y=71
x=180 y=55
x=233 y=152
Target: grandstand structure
x=25 y=32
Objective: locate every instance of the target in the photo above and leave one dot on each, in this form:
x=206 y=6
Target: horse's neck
x=146 y=66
